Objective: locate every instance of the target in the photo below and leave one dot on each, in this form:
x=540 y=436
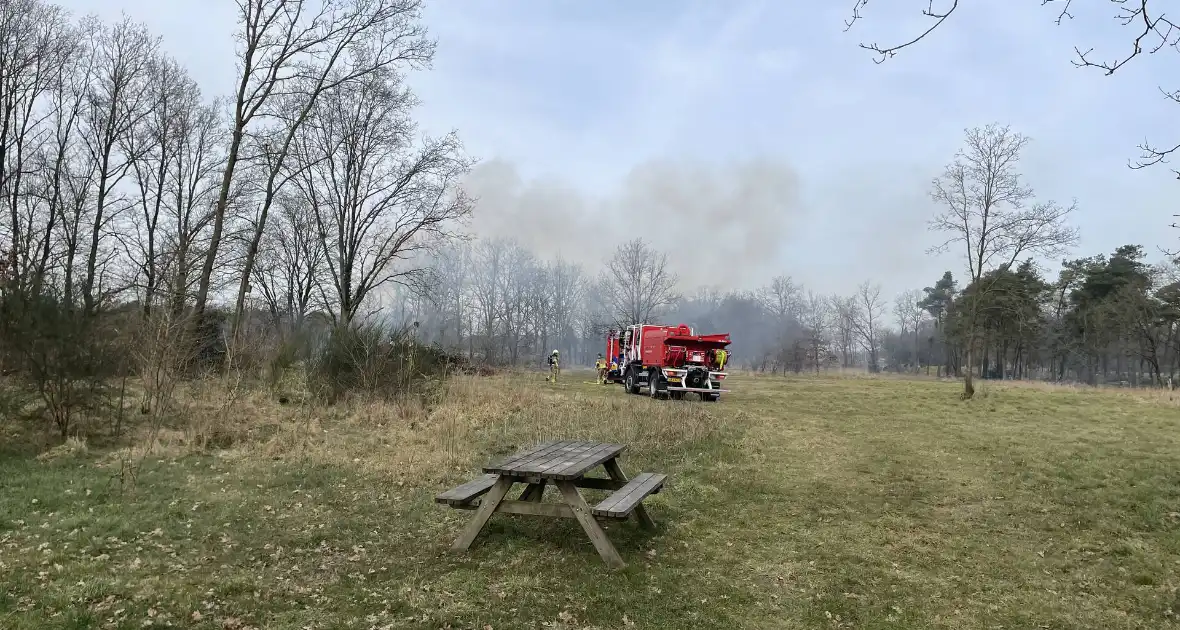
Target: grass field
x=794 y=503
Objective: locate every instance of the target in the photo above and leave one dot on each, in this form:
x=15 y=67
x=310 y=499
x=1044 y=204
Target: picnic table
x=563 y=464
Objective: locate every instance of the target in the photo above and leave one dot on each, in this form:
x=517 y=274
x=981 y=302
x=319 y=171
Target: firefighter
x=614 y=369
x=722 y=355
x=600 y=367
x=554 y=367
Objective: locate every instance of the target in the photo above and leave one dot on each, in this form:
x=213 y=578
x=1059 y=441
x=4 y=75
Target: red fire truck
x=667 y=361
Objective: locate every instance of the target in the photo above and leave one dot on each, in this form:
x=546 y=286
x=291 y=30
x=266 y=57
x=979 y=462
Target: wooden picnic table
x=563 y=464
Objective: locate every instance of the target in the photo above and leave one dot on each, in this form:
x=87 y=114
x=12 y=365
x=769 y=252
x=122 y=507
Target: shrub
x=374 y=360
x=66 y=356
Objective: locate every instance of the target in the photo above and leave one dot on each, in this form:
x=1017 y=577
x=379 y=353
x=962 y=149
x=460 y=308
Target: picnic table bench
x=563 y=464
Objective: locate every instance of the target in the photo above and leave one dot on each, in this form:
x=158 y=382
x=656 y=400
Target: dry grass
x=799 y=502
x=433 y=434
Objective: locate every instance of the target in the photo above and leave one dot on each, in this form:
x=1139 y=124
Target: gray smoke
x=720 y=226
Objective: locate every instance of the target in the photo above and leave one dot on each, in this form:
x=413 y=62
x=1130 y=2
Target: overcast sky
x=758 y=130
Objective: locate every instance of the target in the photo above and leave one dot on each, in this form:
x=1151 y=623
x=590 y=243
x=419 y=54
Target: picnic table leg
x=616 y=473
x=533 y=492
x=586 y=519
x=487 y=506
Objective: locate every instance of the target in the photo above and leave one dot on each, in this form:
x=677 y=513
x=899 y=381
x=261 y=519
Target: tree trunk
x=984 y=362
x=206 y=279
x=968 y=384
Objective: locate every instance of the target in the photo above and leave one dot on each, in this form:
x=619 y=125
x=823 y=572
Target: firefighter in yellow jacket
x=600 y=366
x=554 y=367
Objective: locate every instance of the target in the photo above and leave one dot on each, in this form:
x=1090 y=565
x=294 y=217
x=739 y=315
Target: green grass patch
x=796 y=502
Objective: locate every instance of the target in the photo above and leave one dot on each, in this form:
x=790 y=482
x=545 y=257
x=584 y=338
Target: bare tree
x=866 y=318
x=372 y=37
x=376 y=198
x=595 y=311
x=193 y=184
x=66 y=104
x=567 y=287
x=452 y=278
x=845 y=314
x=35 y=43
x=520 y=267
x=991 y=214
x=539 y=308
x=783 y=301
x=74 y=171
x=289 y=272
x=910 y=317
x=294 y=50
x=156 y=140
x=1150 y=31
x=119 y=97
x=489 y=264
x=638 y=283
x=782 y=298
x=816 y=316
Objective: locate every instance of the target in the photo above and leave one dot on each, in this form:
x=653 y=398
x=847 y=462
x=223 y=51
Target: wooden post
x=586 y=519
x=487 y=506
x=533 y=492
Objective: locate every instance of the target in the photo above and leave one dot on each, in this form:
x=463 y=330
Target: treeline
x=123 y=183
x=496 y=302
x=146 y=226
x=1101 y=319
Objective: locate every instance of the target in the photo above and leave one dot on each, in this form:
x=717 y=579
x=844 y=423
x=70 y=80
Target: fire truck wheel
x=677 y=395
x=656 y=385
x=629 y=382
x=709 y=397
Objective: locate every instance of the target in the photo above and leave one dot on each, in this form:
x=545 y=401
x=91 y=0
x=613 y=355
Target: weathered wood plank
x=596 y=483
x=464 y=493
x=541 y=454
x=624 y=500
x=529 y=464
x=588 y=450
x=487 y=506
x=534 y=491
x=640 y=513
x=590 y=525
x=569 y=463
x=528 y=508
x=626 y=497
x=566 y=460
x=526 y=461
x=593 y=483
x=562 y=458
x=573 y=471
x=529 y=453
x=509 y=461
x=509 y=506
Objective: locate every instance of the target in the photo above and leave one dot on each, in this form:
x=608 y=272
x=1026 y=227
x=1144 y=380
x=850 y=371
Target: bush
x=66 y=356
x=210 y=342
x=374 y=360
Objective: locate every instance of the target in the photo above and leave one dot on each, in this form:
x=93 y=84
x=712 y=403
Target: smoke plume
x=719 y=225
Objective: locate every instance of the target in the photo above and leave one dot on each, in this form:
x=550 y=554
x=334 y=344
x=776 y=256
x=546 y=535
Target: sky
x=753 y=138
